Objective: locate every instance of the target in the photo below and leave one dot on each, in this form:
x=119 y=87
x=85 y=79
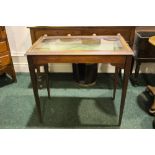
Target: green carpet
x=72 y=106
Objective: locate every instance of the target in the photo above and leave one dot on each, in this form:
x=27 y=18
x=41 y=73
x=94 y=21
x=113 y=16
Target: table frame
x=119 y=61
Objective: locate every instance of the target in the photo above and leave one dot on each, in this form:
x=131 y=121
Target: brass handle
x=152 y=40
x=69 y=35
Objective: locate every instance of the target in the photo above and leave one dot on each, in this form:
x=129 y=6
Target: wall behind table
x=20 y=41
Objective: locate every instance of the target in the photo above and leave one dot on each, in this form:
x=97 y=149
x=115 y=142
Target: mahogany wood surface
x=6 y=65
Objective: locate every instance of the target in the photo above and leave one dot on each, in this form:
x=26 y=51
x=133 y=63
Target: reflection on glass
x=76 y=43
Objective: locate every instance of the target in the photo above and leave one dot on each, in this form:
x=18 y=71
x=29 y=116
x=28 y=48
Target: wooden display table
x=80 y=49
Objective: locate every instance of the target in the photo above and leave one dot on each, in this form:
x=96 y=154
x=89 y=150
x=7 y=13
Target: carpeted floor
x=72 y=106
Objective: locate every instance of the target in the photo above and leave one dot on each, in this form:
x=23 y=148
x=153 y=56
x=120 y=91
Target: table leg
x=132 y=64
x=35 y=87
x=47 y=79
x=39 y=77
x=115 y=81
x=127 y=69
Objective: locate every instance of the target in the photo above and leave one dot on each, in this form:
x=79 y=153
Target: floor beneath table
x=72 y=106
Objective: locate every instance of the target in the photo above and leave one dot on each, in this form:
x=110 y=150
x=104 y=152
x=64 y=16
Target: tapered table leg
x=47 y=79
x=35 y=87
x=127 y=69
x=115 y=81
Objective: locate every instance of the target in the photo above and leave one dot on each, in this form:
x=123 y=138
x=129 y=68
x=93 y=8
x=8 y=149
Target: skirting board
x=67 y=68
x=23 y=67
x=20 y=64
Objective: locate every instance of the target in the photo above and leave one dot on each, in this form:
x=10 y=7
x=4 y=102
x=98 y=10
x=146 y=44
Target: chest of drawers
x=6 y=65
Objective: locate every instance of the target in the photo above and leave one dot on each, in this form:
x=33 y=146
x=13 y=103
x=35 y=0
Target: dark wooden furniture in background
x=127 y=32
x=6 y=65
x=41 y=56
x=144 y=51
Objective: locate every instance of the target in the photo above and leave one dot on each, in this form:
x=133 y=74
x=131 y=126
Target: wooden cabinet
x=6 y=65
x=126 y=31
x=144 y=51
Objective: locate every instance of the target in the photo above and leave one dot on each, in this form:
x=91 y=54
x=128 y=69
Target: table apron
x=44 y=59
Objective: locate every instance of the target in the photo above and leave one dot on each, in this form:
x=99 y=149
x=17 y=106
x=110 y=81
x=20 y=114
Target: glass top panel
x=107 y=43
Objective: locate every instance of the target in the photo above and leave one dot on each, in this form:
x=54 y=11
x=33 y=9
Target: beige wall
x=20 y=41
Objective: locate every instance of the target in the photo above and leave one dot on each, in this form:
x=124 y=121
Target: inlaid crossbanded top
x=80 y=45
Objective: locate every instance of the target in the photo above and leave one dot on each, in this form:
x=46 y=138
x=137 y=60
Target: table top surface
x=80 y=45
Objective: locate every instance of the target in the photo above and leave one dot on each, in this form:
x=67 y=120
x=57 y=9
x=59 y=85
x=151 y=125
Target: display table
x=80 y=49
